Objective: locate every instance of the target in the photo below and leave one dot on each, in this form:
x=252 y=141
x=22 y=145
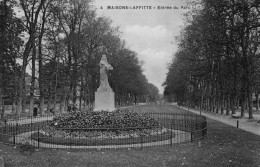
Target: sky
x=149 y=32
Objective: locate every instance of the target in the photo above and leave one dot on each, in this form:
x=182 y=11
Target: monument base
x=104 y=101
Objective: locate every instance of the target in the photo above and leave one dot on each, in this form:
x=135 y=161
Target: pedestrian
x=35 y=111
x=74 y=108
x=52 y=110
x=69 y=108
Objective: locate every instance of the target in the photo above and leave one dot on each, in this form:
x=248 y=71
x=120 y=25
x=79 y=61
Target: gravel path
x=252 y=126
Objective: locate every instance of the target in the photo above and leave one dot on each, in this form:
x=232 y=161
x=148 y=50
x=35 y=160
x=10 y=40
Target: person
x=104 y=67
x=74 y=108
x=35 y=111
x=52 y=110
x=69 y=108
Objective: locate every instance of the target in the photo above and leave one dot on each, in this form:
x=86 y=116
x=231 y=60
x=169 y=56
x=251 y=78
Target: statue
x=104 y=68
x=104 y=96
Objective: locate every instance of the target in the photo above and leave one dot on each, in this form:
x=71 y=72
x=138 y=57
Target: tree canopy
x=62 y=43
x=217 y=64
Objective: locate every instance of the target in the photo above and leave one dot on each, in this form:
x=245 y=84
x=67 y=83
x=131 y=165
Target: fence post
x=204 y=128
x=141 y=141
x=5 y=127
x=71 y=142
x=171 y=133
x=38 y=137
x=191 y=132
x=31 y=124
x=16 y=131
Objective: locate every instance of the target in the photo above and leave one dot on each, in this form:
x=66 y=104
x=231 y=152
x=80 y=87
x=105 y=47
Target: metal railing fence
x=173 y=128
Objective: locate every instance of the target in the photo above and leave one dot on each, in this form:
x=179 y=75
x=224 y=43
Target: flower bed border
x=190 y=127
x=103 y=141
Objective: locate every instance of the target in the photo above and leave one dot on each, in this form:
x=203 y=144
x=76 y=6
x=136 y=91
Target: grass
x=223 y=146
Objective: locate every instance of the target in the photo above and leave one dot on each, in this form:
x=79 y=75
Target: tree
x=153 y=93
x=68 y=39
x=31 y=11
x=11 y=29
x=217 y=56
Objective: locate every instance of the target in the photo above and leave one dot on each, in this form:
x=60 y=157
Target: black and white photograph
x=129 y=83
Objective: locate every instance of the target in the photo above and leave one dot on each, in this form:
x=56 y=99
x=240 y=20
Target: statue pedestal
x=104 y=101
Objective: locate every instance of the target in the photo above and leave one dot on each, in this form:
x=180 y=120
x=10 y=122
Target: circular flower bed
x=104 y=119
x=123 y=123
x=101 y=128
x=104 y=138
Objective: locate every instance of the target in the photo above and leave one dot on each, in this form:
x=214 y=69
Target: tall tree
x=31 y=10
x=218 y=51
x=11 y=29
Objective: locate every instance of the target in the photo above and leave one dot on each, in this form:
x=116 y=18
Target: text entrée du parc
x=147 y=7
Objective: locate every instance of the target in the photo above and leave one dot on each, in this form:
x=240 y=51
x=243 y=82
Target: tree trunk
x=31 y=105
x=222 y=104
x=243 y=106
x=205 y=104
x=214 y=105
x=233 y=105
x=119 y=99
x=55 y=90
x=84 y=104
x=32 y=80
x=81 y=94
x=246 y=104
x=40 y=58
x=1 y=97
x=54 y=106
x=87 y=100
x=21 y=87
x=257 y=101
x=13 y=106
x=3 y=108
x=3 y=21
x=201 y=103
x=54 y=103
x=24 y=105
x=85 y=97
x=217 y=105
x=18 y=108
x=62 y=106
x=228 y=105
x=49 y=105
x=250 y=105
x=208 y=104
x=41 y=109
x=80 y=102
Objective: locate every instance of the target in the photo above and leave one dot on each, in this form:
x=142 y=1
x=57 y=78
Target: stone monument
x=104 y=96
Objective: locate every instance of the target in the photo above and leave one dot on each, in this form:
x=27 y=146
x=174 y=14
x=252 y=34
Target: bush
x=114 y=121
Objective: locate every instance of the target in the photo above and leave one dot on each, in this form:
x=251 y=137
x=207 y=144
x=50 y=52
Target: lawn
x=223 y=146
